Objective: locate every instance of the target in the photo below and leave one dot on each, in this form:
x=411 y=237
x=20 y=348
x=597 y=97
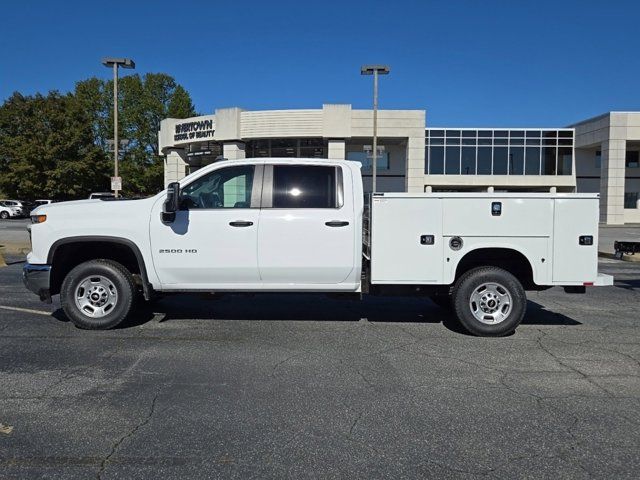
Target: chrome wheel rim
x=96 y=296
x=490 y=303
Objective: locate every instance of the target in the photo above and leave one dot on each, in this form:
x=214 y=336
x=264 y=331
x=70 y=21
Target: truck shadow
x=305 y=307
x=628 y=284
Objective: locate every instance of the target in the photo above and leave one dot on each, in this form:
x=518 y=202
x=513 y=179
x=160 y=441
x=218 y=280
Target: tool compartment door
x=572 y=262
x=401 y=233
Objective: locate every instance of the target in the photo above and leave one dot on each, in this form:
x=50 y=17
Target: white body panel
x=123 y=219
x=295 y=245
x=211 y=252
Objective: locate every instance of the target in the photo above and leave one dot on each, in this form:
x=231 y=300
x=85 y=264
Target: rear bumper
x=36 y=278
x=603 y=280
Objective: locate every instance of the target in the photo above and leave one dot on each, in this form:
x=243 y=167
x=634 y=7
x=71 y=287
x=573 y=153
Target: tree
x=143 y=103
x=56 y=146
x=47 y=148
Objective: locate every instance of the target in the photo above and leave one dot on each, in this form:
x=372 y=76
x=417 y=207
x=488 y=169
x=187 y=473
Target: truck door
x=307 y=227
x=212 y=242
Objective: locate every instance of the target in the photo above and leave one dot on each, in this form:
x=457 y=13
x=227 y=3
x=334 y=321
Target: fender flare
x=147 y=288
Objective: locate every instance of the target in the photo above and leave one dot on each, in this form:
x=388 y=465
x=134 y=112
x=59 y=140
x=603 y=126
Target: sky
x=467 y=63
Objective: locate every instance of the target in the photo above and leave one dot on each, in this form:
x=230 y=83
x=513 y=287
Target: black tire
x=4 y=215
x=119 y=279
x=474 y=282
x=443 y=301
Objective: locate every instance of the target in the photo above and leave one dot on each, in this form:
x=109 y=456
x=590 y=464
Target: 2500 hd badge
x=178 y=250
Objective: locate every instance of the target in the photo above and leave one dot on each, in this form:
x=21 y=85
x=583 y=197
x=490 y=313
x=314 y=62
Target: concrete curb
x=625 y=258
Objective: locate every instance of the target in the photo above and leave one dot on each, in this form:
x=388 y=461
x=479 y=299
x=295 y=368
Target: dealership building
x=598 y=155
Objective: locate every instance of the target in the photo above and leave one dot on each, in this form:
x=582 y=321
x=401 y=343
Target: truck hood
x=95 y=207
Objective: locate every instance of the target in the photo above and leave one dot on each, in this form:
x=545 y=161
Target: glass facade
x=382 y=160
x=499 y=152
x=287 y=147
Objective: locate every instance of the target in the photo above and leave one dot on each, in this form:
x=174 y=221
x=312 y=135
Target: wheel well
x=506 y=258
x=69 y=255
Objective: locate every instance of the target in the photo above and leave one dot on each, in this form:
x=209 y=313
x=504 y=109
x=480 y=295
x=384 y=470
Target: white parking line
x=26 y=310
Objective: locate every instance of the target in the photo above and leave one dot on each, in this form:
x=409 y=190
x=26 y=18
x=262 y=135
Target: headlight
x=38 y=218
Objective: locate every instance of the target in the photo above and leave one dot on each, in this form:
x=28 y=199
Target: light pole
x=375 y=70
x=114 y=63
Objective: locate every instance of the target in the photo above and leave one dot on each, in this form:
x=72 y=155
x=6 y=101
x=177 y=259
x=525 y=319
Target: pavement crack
x=364 y=378
x=126 y=436
x=570 y=367
x=355 y=423
x=282 y=362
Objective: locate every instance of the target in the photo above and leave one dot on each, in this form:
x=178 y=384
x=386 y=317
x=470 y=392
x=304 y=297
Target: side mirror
x=172 y=203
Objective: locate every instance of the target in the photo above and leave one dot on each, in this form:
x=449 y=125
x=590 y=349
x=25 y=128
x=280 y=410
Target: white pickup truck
x=297 y=225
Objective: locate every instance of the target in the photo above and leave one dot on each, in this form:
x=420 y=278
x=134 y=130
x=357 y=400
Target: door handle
x=241 y=223
x=336 y=223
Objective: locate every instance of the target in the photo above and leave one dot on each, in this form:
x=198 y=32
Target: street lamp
x=375 y=70
x=114 y=63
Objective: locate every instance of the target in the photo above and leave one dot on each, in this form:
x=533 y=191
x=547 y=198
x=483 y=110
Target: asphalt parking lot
x=304 y=386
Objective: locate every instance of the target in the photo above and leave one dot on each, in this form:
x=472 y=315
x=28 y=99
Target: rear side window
x=302 y=186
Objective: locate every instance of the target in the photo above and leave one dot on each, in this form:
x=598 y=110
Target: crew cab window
x=302 y=186
x=224 y=188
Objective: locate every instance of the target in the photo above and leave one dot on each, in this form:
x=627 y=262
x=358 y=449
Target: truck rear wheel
x=98 y=294
x=489 y=301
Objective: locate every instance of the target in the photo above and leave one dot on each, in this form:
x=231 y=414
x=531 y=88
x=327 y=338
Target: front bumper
x=36 y=279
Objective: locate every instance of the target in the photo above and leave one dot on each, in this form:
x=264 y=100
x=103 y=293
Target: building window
x=436 y=160
x=532 y=161
x=598 y=159
x=382 y=160
x=296 y=186
x=284 y=147
x=499 y=152
x=565 y=161
x=500 y=160
x=516 y=160
x=549 y=161
x=287 y=147
x=630 y=200
x=313 y=148
x=452 y=160
x=468 y=165
x=631 y=159
x=484 y=160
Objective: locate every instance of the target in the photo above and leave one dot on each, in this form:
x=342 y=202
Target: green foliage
x=143 y=102
x=55 y=146
x=47 y=149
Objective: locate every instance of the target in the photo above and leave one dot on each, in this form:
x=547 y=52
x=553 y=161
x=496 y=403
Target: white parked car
x=12 y=209
x=294 y=225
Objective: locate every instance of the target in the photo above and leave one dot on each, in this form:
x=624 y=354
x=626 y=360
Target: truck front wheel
x=98 y=294
x=489 y=301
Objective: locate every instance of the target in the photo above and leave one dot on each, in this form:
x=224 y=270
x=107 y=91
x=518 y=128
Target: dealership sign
x=199 y=129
